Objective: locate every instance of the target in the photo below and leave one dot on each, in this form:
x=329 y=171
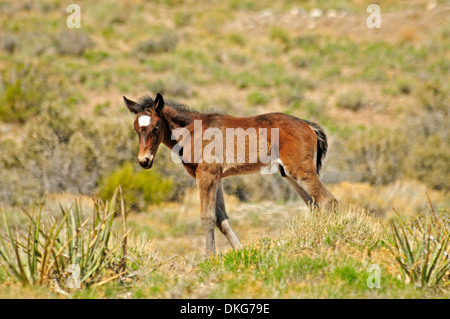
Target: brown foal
x=213 y=146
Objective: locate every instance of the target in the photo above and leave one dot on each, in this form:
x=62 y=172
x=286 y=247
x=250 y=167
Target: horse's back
x=278 y=120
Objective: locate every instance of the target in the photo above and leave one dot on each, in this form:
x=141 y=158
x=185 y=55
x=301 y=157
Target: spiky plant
x=421 y=249
x=67 y=250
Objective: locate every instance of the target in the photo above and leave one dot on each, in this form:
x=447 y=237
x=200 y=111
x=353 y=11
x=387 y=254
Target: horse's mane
x=147 y=102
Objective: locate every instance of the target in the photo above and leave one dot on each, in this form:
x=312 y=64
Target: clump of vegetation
x=172 y=86
x=404 y=85
x=317 y=250
x=434 y=96
x=182 y=19
x=73 y=42
x=376 y=155
x=281 y=35
x=9 y=43
x=428 y=133
x=62 y=152
x=165 y=42
x=421 y=248
x=429 y=162
x=301 y=60
x=22 y=91
x=350 y=226
x=213 y=20
x=140 y=188
x=69 y=251
x=258 y=98
x=353 y=100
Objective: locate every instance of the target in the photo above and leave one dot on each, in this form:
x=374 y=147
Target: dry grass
x=406 y=196
x=288 y=252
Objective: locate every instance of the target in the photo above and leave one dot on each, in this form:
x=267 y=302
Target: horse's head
x=148 y=125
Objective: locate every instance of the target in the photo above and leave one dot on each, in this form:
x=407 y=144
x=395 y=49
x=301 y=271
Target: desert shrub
x=352 y=100
x=429 y=162
x=308 y=110
x=301 y=60
x=72 y=42
x=182 y=19
x=404 y=85
x=417 y=149
x=237 y=39
x=433 y=115
x=281 y=35
x=16 y=187
x=165 y=42
x=9 y=43
x=377 y=155
x=308 y=41
x=22 y=91
x=292 y=95
x=434 y=95
x=427 y=129
x=173 y=86
x=140 y=188
x=62 y=152
x=333 y=71
x=213 y=20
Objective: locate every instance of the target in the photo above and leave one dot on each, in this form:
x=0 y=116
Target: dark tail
x=322 y=144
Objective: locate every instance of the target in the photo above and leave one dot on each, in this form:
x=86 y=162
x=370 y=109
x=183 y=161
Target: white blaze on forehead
x=144 y=120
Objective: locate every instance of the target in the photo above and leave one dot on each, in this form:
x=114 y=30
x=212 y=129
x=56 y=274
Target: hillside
x=382 y=96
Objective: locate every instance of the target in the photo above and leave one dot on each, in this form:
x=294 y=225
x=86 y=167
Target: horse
x=298 y=148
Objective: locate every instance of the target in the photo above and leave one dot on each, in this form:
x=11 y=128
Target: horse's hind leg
x=222 y=221
x=300 y=191
x=309 y=187
x=319 y=193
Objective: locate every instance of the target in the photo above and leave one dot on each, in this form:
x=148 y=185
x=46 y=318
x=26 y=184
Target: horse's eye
x=156 y=128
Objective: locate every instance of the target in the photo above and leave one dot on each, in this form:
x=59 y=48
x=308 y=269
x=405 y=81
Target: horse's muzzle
x=146 y=161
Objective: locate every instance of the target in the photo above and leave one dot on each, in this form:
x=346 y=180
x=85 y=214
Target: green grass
x=312 y=256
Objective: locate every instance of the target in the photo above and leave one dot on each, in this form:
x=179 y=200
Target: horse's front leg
x=207 y=186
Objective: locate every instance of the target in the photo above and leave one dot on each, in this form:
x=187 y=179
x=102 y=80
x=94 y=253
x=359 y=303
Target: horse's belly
x=229 y=169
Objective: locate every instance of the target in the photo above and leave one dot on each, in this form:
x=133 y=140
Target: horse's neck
x=175 y=119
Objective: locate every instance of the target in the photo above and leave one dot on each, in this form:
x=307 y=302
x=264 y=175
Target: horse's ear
x=159 y=102
x=131 y=105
